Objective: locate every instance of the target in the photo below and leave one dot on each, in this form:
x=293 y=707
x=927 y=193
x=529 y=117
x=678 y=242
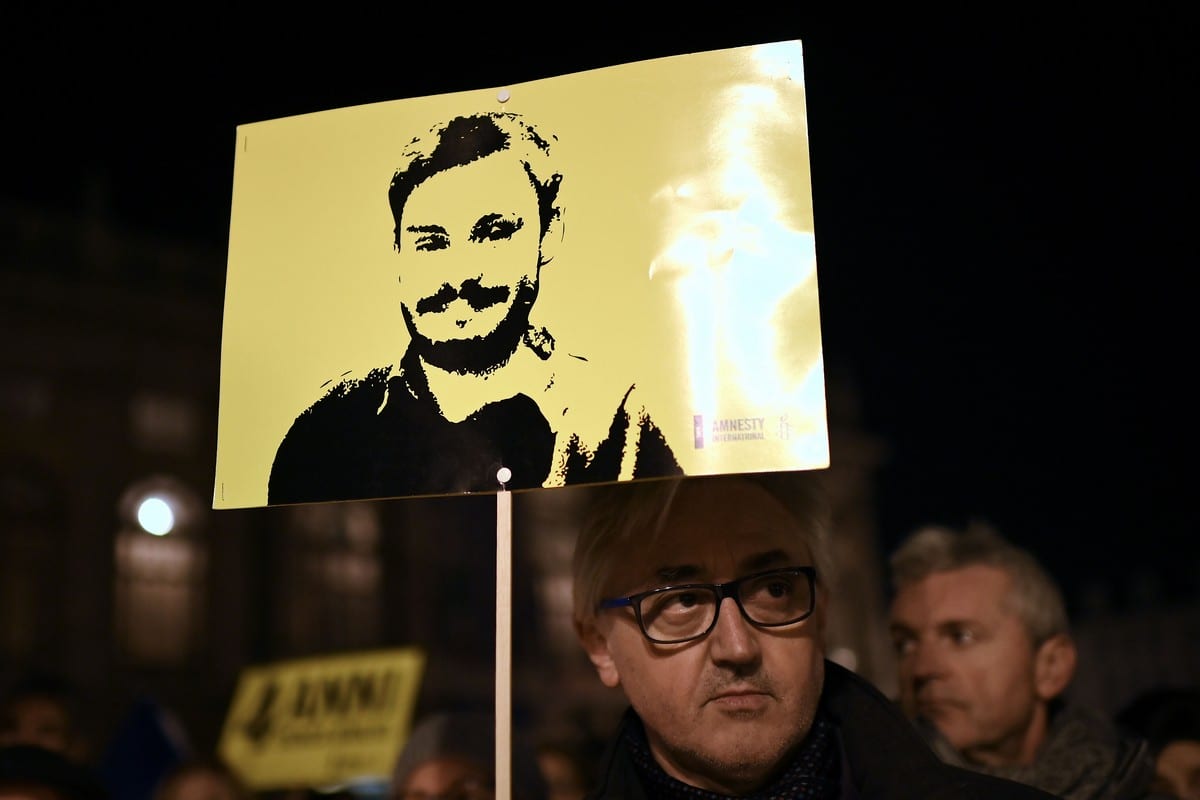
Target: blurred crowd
x=45 y=755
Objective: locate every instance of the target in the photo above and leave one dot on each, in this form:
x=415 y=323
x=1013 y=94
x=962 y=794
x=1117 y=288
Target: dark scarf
x=814 y=773
x=1084 y=757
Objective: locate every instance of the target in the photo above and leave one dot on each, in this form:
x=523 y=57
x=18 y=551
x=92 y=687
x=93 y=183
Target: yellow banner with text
x=324 y=721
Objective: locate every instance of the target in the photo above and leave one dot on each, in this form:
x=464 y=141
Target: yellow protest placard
x=323 y=721
x=602 y=276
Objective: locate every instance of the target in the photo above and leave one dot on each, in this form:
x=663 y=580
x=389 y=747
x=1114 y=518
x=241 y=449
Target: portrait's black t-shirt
x=383 y=436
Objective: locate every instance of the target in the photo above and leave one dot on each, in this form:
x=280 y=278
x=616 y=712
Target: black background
x=1004 y=217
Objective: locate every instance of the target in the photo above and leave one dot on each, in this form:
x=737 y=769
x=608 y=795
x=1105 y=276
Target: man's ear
x=596 y=645
x=1054 y=666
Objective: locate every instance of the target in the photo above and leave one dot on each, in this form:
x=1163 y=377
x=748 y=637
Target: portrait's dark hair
x=465 y=139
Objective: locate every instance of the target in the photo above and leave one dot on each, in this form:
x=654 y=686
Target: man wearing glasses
x=704 y=599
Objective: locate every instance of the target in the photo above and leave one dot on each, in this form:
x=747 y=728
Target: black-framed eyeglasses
x=674 y=614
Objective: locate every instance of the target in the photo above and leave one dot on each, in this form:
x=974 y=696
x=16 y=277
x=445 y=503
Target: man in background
x=984 y=657
x=1168 y=717
x=42 y=709
x=451 y=754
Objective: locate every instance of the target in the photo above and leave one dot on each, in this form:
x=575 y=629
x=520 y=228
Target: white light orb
x=155 y=516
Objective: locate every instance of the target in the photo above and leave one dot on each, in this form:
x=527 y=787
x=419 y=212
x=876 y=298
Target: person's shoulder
x=968 y=783
x=846 y=694
x=353 y=386
x=345 y=399
x=23 y=764
x=314 y=452
x=616 y=776
x=1130 y=759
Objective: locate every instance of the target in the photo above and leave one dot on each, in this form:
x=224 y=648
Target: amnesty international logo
x=739 y=429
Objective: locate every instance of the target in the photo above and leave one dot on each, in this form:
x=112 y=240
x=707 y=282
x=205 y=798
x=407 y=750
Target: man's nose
x=925 y=661
x=733 y=639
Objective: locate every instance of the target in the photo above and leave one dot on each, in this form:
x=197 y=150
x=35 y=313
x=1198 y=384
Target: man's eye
x=780 y=588
x=675 y=602
x=673 y=605
x=494 y=227
x=962 y=636
x=903 y=645
x=432 y=241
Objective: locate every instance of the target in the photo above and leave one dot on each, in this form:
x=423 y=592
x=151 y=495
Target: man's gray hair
x=1035 y=597
x=620 y=515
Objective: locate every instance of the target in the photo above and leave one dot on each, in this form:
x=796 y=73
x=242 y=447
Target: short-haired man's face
x=447 y=776
x=1177 y=769
x=968 y=664
x=30 y=790
x=199 y=784
x=38 y=721
x=469 y=243
x=723 y=712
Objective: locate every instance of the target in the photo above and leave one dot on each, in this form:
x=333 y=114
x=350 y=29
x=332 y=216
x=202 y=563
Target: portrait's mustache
x=477 y=296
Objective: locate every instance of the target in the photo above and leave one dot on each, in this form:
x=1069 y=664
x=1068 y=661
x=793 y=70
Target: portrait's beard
x=478 y=355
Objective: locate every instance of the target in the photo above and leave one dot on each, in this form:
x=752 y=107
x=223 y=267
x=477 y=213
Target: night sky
x=1004 y=221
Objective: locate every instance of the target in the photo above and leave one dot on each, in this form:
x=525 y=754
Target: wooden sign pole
x=503 y=637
